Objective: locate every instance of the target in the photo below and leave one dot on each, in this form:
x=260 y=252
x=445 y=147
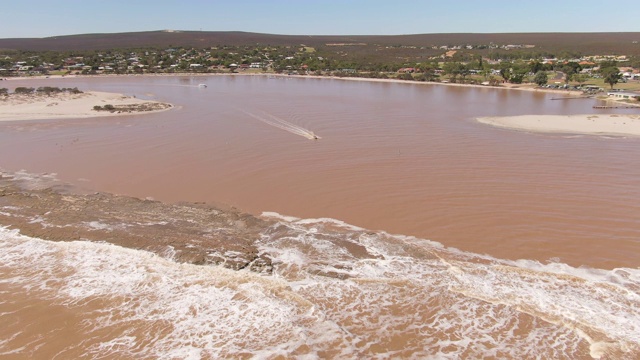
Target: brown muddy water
x=480 y=242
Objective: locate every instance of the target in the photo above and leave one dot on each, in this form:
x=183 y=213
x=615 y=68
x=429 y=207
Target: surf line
x=284 y=125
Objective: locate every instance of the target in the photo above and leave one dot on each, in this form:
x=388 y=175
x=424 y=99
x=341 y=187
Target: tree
x=464 y=71
x=518 y=72
x=569 y=72
x=405 y=76
x=486 y=73
x=574 y=65
x=493 y=81
x=608 y=64
x=429 y=74
x=580 y=78
x=535 y=66
x=505 y=71
x=452 y=69
x=455 y=69
x=611 y=75
x=541 y=78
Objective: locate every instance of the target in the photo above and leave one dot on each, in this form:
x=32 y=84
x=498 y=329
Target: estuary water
x=400 y=227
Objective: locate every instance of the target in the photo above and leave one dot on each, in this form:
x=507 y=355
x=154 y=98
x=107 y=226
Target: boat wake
x=284 y=125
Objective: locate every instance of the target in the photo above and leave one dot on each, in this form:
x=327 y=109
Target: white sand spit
x=67 y=106
x=593 y=124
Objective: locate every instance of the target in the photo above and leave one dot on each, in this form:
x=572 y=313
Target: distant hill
x=586 y=43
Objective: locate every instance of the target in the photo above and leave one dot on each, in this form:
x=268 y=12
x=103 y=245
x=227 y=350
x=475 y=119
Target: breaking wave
x=337 y=291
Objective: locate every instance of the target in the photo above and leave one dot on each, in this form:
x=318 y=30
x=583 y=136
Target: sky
x=40 y=18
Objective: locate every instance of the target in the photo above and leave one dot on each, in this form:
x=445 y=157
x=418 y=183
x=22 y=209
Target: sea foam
x=336 y=291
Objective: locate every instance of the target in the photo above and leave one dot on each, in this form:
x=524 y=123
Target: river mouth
x=404 y=158
x=407 y=230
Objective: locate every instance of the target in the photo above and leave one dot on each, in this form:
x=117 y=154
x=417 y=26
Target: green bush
x=48 y=90
x=107 y=107
x=23 y=90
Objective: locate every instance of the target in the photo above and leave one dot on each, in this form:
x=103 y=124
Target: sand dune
x=609 y=124
x=66 y=105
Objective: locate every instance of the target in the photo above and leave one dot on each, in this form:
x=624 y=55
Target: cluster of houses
x=168 y=60
x=237 y=59
x=461 y=47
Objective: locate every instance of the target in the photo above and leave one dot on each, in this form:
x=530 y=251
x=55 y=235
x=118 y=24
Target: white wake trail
x=284 y=125
x=288 y=124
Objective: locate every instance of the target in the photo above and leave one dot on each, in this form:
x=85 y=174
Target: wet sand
x=612 y=125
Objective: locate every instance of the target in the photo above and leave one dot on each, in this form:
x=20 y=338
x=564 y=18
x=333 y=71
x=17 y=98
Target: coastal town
x=486 y=64
x=611 y=77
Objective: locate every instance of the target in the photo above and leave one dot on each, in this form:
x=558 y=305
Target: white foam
x=97 y=225
x=574 y=306
x=213 y=312
x=408 y=297
x=38 y=219
x=152 y=223
x=30 y=180
x=276 y=216
x=310 y=221
x=11 y=208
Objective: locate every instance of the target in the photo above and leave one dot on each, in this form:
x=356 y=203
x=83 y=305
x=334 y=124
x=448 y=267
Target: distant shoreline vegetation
x=422 y=56
x=43 y=90
x=545 y=60
x=128 y=108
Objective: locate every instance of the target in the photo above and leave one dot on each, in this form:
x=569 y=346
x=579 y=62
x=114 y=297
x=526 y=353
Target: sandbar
x=590 y=124
x=68 y=106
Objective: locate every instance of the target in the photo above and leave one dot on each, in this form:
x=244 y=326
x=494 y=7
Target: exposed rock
x=186 y=232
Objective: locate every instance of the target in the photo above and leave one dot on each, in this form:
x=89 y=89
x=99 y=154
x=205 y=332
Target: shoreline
x=584 y=124
x=73 y=106
x=519 y=87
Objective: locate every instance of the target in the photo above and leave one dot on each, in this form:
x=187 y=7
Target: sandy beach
x=519 y=87
x=66 y=106
x=609 y=124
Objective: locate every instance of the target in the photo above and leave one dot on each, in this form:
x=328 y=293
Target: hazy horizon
x=313 y=35
x=285 y=17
